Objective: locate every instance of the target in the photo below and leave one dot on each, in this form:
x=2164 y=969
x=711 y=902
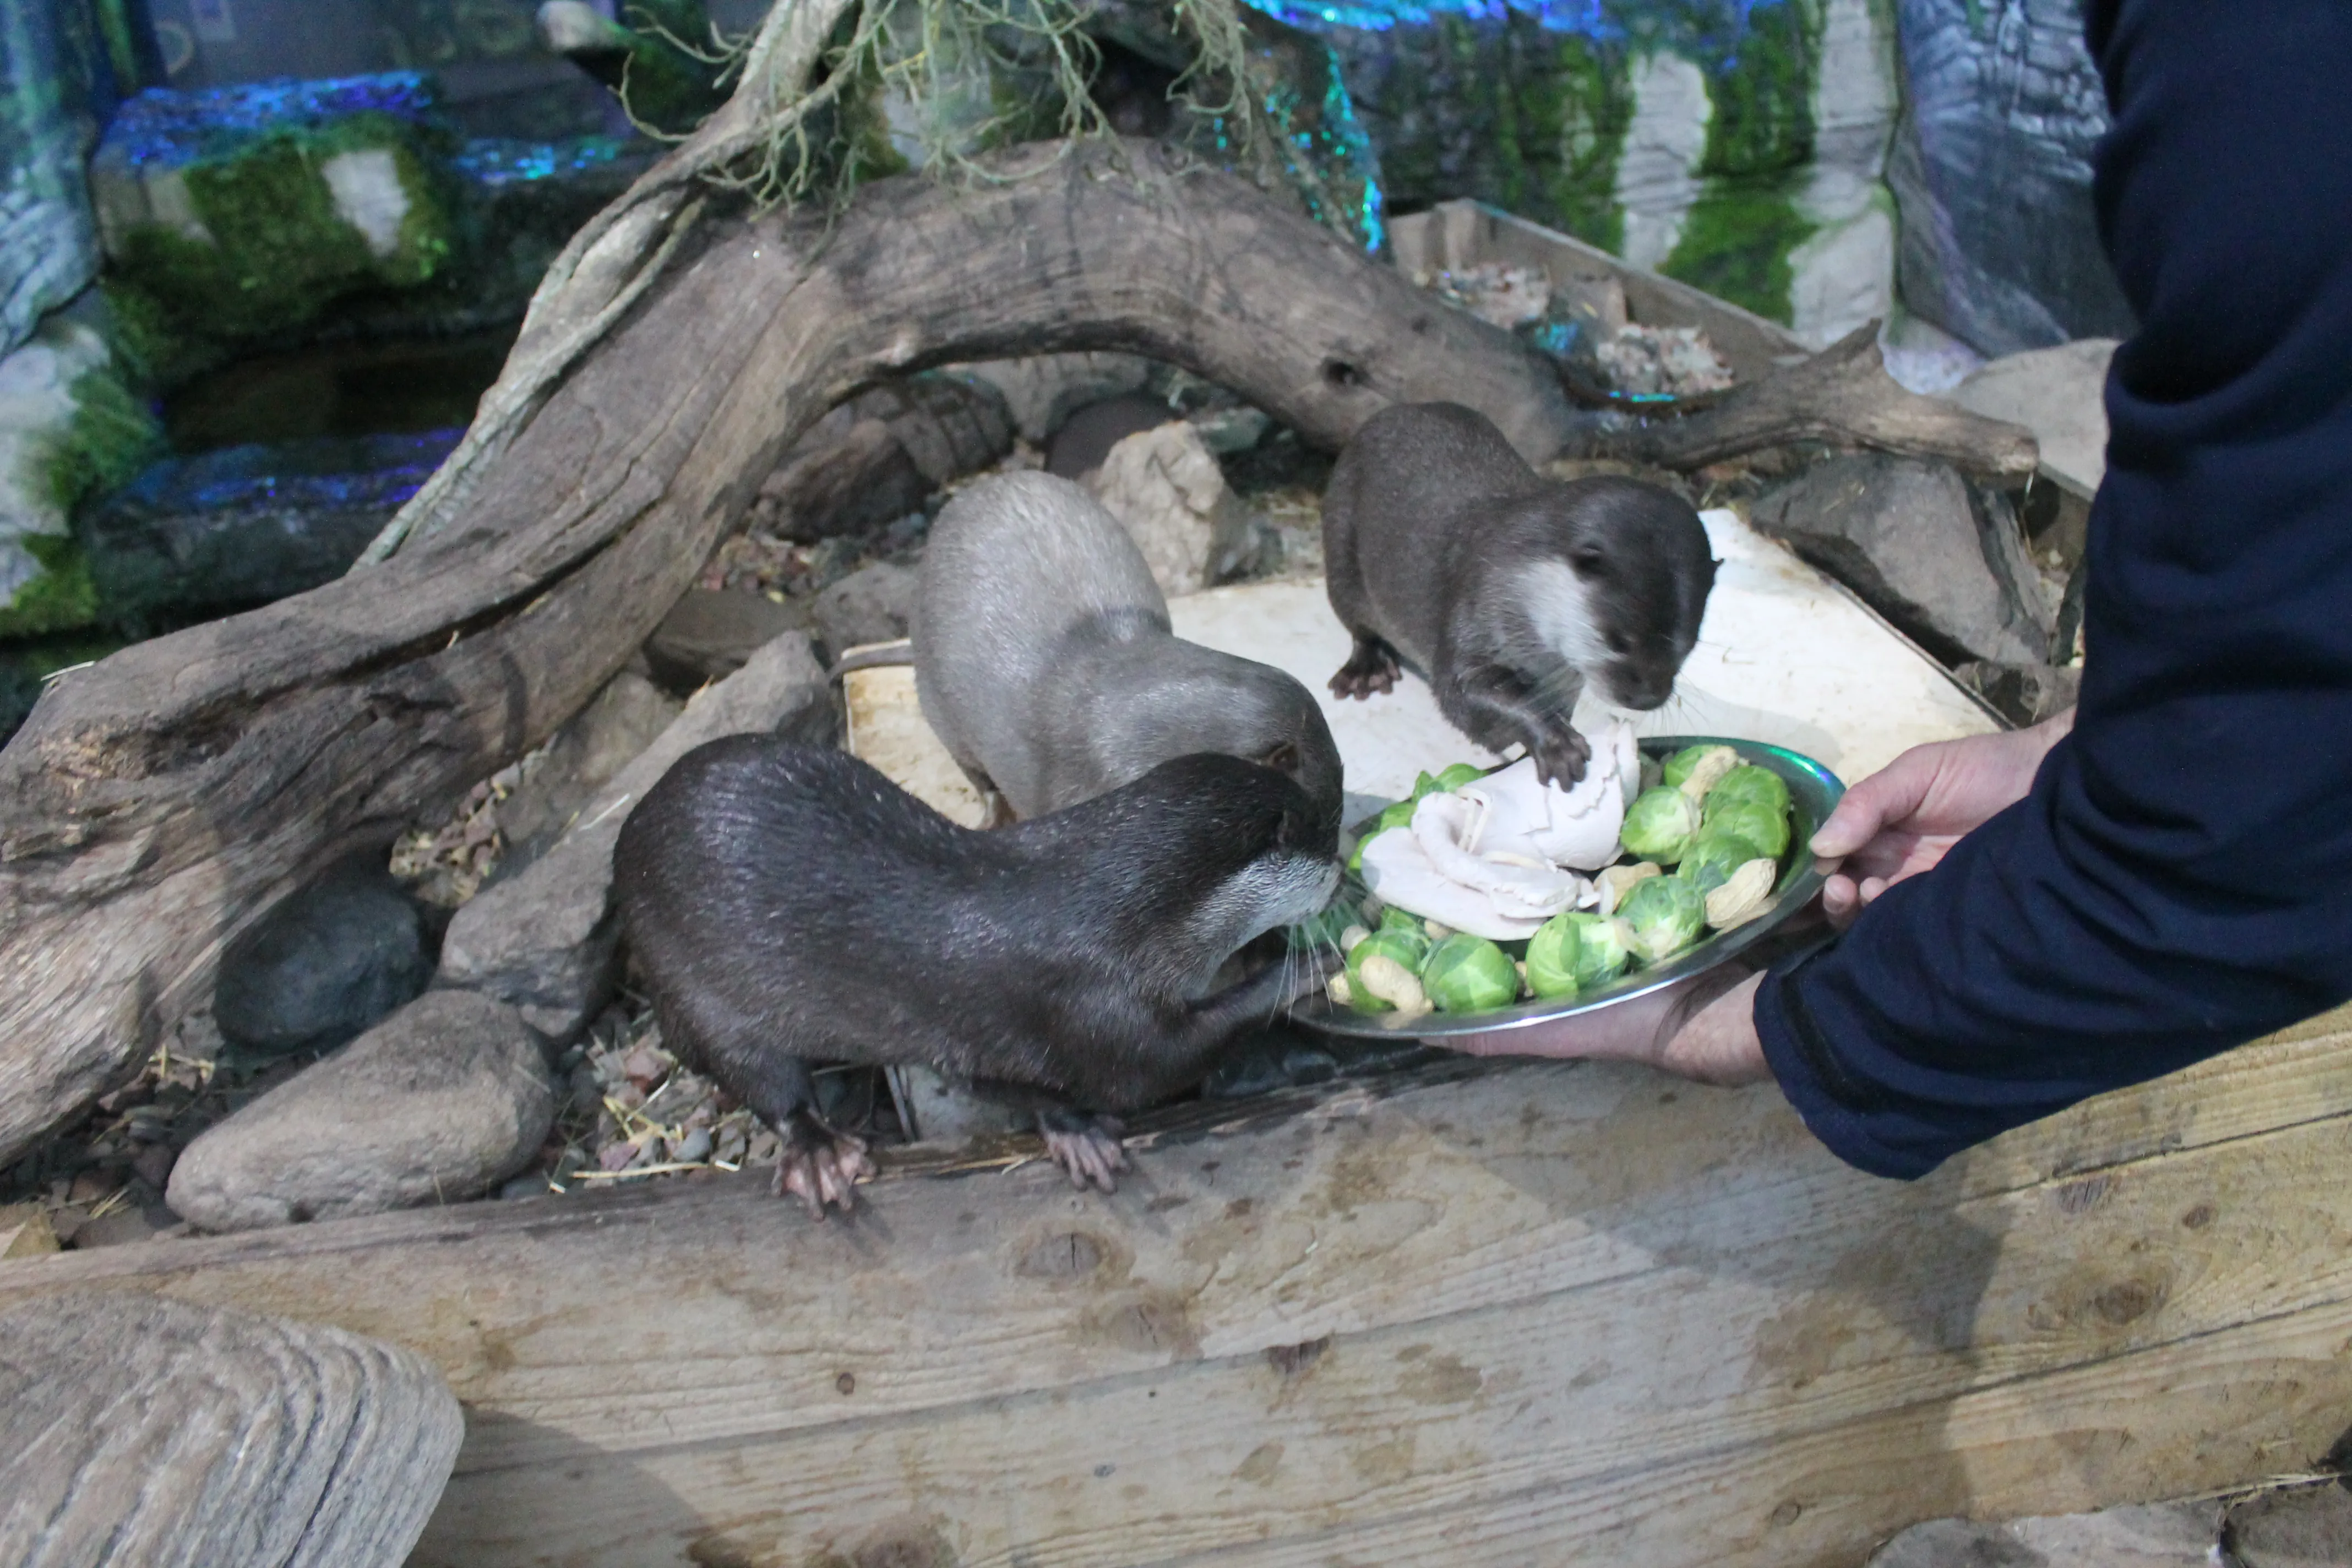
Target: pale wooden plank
x=1729 y=1354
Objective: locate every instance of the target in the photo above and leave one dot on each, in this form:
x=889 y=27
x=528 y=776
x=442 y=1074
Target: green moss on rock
x=1735 y=244
x=61 y=599
x=114 y=434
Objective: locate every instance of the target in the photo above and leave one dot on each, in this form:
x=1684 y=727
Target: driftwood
x=135 y=1429
x=1841 y=396
x=1484 y=1315
x=156 y=801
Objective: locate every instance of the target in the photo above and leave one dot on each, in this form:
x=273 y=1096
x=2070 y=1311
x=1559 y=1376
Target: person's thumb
x=1890 y=794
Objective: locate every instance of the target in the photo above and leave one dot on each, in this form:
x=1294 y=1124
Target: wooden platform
x=1525 y=1314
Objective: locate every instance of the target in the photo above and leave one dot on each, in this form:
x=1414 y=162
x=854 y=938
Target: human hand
x=1901 y=820
x=1702 y=1028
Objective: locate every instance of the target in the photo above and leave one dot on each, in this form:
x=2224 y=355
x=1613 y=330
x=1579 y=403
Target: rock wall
x=1737 y=144
x=49 y=246
x=1993 y=169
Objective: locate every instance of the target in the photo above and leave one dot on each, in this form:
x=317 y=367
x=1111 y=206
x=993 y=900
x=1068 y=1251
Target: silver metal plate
x=1813 y=790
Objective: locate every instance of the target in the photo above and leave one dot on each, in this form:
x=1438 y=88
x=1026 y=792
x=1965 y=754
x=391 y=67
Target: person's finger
x=1890 y=794
x=1870 y=889
x=1841 y=901
x=1627 y=1031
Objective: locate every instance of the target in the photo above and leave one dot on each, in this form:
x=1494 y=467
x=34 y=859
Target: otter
x=786 y=903
x=1444 y=551
x=1044 y=661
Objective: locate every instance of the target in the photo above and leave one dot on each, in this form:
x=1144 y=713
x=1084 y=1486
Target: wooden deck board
x=1569 y=1309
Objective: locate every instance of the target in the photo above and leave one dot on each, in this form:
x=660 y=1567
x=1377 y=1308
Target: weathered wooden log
x=1486 y=1315
x=1841 y=396
x=135 y=1429
x=156 y=801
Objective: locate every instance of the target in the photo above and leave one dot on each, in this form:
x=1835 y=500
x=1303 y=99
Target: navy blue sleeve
x=2180 y=879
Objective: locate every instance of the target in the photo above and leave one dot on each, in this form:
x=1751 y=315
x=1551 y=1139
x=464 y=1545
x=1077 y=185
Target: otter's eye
x=1618 y=644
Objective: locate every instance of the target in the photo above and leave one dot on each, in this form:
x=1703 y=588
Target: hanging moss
x=1735 y=244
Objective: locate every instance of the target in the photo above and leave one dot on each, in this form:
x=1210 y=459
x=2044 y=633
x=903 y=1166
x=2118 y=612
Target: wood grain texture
x=136 y=1430
x=1494 y=1314
x=156 y=802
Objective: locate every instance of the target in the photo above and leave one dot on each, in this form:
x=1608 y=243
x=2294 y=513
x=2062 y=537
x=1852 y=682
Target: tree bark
x=1841 y=396
x=157 y=801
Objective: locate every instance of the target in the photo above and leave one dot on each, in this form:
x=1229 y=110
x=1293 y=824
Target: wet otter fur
x=1444 y=551
x=788 y=904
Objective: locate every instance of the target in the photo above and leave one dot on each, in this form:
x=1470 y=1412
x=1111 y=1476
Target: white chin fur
x=1559 y=609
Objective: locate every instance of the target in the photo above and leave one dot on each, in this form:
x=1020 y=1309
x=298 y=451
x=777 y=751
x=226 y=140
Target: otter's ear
x=1587 y=562
x=1283 y=759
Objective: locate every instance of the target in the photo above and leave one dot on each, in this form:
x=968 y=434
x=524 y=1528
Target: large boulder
x=324 y=964
x=595 y=745
x=544 y=940
x=139 y=1430
x=444 y=1099
x=1940 y=559
x=1991 y=168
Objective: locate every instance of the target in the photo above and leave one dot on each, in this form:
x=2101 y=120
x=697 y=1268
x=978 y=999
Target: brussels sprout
x=1714 y=856
x=1665 y=914
x=1398 y=815
x=1394 y=919
x=1467 y=973
x=1576 y=951
x=1704 y=763
x=1659 y=825
x=1460 y=773
x=1617 y=881
x=1765 y=826
x=1747 y=782
x=1407 y=948
x=1356 y=855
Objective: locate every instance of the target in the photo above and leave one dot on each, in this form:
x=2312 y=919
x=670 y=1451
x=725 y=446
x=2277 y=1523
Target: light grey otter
x=787 y=904
x=1442 y=548
x=1044 y=661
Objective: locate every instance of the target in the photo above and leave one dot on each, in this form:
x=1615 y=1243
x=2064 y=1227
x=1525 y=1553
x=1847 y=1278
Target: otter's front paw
x=1560 y=756
x=819 y=1166
x=1372 y=666
x=1087 y=1147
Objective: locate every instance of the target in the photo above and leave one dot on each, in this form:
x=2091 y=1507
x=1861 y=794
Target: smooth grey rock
x=2308 y=1527
x=544 y=940
x=1945 y=562
x=710 y=632
x=2148 y=1535
x=325 y=963
x=1165 y=486
x=1043 y=390
x=600 y=740
x=139 y=1430
x=1086 y=439
x=938 y=1111
x=2058 y=393
x=871 y=605
x=444 y=1099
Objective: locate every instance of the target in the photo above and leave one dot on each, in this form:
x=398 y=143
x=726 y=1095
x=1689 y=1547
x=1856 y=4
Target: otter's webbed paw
x=1560 y=755
x=1372 y=666
x=819 y=1166
x=1087 y=1147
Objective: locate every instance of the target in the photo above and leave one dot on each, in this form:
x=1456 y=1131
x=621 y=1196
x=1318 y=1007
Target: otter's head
x=1225 y=851
x=1620 y=584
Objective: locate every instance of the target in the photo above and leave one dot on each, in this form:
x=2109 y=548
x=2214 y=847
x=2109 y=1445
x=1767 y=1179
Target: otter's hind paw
x=821 y=1167
x=1086 y=1147
x=1372 y=666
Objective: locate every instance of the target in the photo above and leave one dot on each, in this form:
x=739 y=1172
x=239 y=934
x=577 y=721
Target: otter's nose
x=1635 y=690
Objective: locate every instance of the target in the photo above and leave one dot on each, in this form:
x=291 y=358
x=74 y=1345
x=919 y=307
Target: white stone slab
x=1784 y=657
